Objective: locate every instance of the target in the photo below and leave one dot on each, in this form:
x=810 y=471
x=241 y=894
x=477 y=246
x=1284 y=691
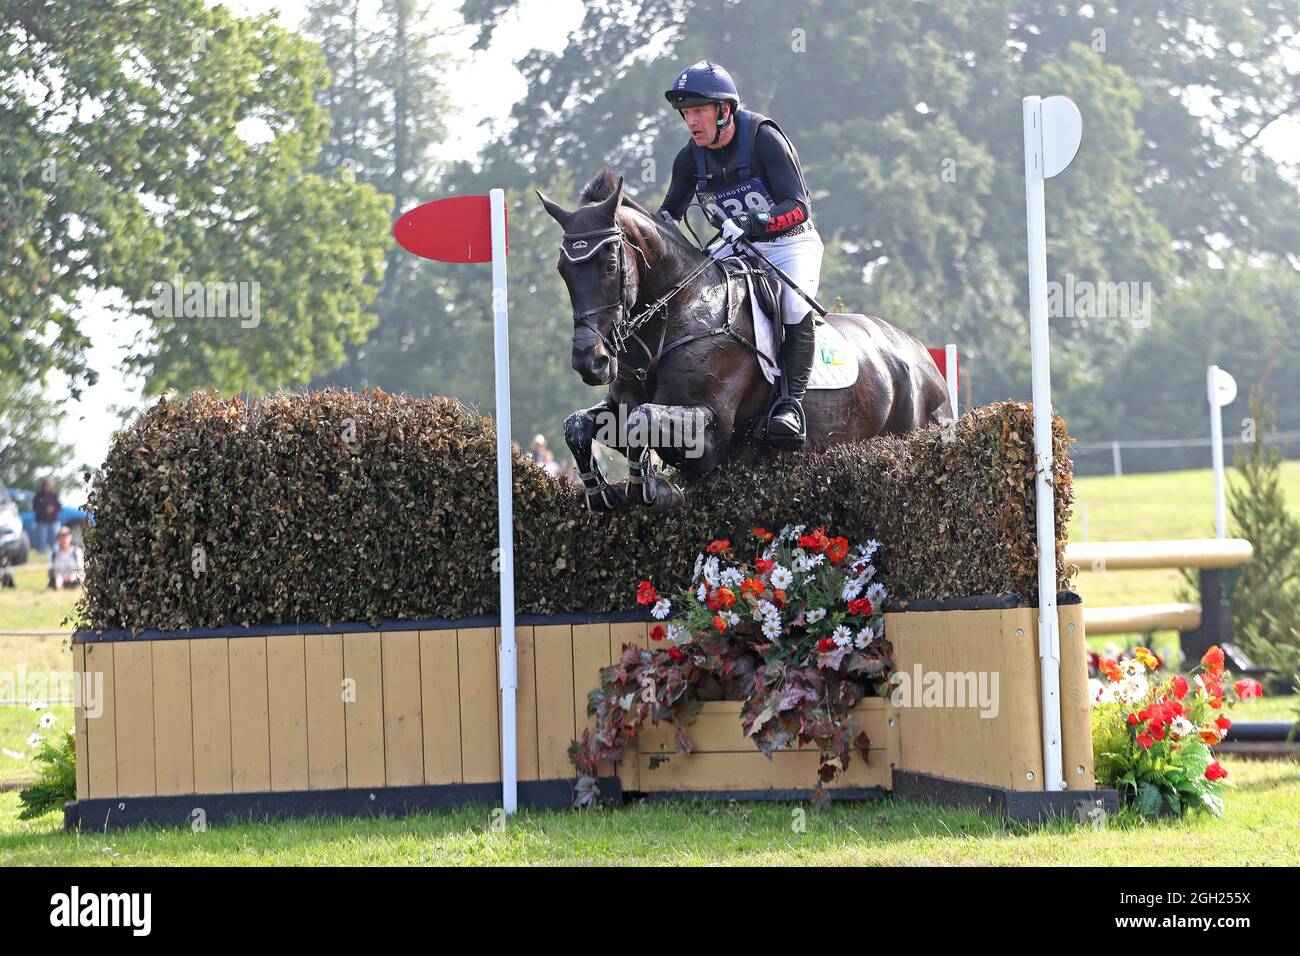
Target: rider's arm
x=682 y=187
x=781 y=173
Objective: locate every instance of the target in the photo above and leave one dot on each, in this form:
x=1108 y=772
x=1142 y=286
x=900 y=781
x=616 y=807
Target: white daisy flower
x=1132 y=668
x=675 y=631
x=732 y=577
x=771 y=629
x=799 y=561
x=871 y=547
x=661 y=609
x=864 y=638
x=876 y=594
x=842 y=636
x=816 y=614
x=711 y=571
x=47 y=721
x=815 y=559
x=37 y=705
x=796 y=531
x=702 y=591
x=765 y=608
x=731 y=617
x=34 y=740
x=1181 y=727
x=781 y=577
x=852 y=588
x=699 y=565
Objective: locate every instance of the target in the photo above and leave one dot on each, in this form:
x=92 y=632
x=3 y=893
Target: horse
x=696 y=398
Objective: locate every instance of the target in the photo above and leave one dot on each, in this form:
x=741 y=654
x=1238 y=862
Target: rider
x=746 y=175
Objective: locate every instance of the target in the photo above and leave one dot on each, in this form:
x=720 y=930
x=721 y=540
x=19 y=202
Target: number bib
x=749 y=196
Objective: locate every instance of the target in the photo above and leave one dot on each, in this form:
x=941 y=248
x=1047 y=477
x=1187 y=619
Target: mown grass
x=1253 y=831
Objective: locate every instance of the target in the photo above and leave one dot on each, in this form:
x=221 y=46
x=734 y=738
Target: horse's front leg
x=579 y=430
x=681 y=430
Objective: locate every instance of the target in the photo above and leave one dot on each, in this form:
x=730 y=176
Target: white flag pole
x=1221 y=389
x=1053 y=129
x=507 y=660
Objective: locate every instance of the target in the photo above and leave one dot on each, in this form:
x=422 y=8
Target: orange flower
x=836 y=549
x=752 y=587
x=1109 y=668
x=719 y=623
x=816 y=541
x=1213 y=660
x=726 y=596
x=720 y=546
x=1144 y=655
x=1210 y=734
x=778 y=598
x=762 y=534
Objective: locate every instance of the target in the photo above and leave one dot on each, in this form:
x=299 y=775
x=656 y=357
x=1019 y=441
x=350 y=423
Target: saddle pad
x=833 y=363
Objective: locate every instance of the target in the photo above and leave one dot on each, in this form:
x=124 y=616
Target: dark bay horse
x=634 y=280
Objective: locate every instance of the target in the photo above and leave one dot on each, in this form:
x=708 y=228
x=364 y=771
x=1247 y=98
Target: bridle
x=580 y=247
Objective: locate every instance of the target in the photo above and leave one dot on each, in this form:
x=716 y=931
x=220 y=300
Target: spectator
x=538 y=452
x=550 y=464
x=67 y=567
x=47 y=507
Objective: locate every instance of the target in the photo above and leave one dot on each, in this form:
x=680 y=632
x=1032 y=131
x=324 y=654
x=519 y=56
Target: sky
x=483 y=86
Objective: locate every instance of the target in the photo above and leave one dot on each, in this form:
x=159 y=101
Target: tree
x=1266 y=599
x=143 y=143
x=29 y=449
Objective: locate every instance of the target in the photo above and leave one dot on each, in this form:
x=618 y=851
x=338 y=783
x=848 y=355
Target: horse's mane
x=602 y=185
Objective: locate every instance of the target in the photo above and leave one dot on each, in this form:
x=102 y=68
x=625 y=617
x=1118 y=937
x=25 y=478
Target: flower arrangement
x=1152 y=738
x=797 y=635
x=56 y=778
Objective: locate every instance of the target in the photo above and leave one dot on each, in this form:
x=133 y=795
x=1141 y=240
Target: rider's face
x=702 y=121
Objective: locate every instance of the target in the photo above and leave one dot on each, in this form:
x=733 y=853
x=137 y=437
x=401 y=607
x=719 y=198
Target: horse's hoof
x=663 y=495
x=609 y=499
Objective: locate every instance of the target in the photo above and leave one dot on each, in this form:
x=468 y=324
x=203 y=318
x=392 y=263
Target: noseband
x=580 y=247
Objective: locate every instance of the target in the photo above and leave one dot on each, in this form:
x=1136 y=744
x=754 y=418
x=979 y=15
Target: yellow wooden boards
x=403 y=708
x=301 y=712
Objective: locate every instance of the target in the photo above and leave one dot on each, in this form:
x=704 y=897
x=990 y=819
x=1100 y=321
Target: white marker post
x=1053 y=130
x=1221 y=389
x=508 y=664
x=950 y=376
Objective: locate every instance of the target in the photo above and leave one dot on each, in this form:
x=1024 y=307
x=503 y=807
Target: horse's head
x=600 y=273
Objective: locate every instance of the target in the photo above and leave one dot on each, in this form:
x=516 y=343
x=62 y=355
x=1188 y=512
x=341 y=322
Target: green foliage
x=337 y=506
x=29 y=449
x=56 y=781
x=1266 y=599
x=148 y=141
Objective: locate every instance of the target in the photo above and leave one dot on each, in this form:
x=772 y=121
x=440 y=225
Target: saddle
x=766 y=289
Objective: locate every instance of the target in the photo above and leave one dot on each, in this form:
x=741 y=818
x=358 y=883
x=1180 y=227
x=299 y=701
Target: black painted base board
x=118 y=812
x=843 y=793
x=1020 y=806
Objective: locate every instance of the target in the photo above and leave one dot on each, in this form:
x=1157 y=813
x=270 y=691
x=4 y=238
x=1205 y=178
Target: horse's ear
x=558 y=212
x=609 y=206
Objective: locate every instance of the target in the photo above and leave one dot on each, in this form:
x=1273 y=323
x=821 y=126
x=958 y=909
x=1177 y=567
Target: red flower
x=836 y=549
x=712 y=601
x=1248 y=689
x=751 y=587
x=721 y=546
x=1133 y=720
x=1213 y=659
x=1144 y=741
x=646 y=593
x=778 y=598
x=814 y=542
x=1179 y=686
x=726 y=596
x=825 y=645
x=860 y=606
x=1214 y=772
x=675 y=654
x=764 y=565
x=1222 y=722
x=1158 y=731
x=719 y=623
x=762 y=534
x=657 y=633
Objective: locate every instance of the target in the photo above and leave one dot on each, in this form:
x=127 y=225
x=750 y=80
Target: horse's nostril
x=600 y=363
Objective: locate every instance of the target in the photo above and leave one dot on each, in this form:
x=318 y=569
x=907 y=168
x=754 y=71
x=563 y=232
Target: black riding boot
x=796 y=366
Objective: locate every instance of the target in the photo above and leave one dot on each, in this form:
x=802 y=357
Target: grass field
x=1252 y=832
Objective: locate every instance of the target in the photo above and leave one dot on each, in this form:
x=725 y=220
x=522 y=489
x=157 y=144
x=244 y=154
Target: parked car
x=14 y=541
x=74 y=518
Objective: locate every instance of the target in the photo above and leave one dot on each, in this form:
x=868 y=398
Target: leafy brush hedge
x=340 y=506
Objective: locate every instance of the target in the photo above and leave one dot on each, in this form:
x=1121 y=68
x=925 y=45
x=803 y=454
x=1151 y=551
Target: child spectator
x=67 y=567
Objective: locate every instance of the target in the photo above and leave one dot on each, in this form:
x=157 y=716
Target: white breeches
x=799 y=257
